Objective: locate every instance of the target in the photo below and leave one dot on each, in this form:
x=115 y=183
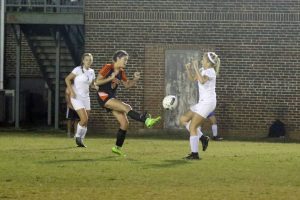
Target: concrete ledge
x=44 y=18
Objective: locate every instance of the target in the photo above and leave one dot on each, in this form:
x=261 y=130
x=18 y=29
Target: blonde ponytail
x=215 y=61
x=217 y=65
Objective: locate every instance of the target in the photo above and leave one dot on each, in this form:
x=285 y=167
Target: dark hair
x=119 y=54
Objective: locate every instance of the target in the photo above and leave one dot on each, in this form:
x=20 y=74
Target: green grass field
x=48 y=166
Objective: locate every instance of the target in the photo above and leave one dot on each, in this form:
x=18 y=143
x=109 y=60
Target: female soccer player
x=83 y=76
x=193 y=119
x=108 y=80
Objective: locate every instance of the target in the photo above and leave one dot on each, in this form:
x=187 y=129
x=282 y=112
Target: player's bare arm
x=68 y=81
x=133 y=82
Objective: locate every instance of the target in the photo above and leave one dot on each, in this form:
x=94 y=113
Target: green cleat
x=117 y=150
x=150 y=122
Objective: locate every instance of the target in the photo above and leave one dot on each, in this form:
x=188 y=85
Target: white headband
x=210 y=58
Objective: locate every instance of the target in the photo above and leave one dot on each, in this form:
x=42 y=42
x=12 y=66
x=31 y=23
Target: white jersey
x=207 y=91
x=82 y=81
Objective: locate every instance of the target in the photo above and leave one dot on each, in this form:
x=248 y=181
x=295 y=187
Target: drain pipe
x=2 y=33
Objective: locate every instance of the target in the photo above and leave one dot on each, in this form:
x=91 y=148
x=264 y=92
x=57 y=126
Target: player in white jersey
x=83 y=77
x=193 y=119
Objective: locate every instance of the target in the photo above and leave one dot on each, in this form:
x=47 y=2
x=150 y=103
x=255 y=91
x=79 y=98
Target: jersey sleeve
x=77 y=71
x=104 y=71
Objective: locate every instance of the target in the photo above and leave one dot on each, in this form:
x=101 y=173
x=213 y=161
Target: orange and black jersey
x=111 y=87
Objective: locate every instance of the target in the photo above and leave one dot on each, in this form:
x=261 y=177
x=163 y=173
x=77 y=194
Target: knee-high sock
x=80 y=132
x=194 y=143
x=137 y=116
x=199 y=132
x=214 y=129
x=120 y=137
x=84 y=132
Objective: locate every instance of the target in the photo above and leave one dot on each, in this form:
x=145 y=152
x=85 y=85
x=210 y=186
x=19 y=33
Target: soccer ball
x=170 y=102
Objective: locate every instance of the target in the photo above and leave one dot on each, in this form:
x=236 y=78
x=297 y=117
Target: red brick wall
x=257 y=41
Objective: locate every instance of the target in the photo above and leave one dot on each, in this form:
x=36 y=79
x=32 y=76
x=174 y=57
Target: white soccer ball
x=170 y=102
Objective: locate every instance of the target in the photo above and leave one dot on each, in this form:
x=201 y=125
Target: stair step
x=47 y=43
x=51 y=56
x=42 y=38
x=53 y=63
x=62 y=69
x=50 y=50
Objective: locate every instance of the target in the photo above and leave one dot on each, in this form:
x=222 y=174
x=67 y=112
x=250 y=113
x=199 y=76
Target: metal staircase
x=42 y=42
x=43 y=22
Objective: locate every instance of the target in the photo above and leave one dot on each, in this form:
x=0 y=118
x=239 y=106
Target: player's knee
x=124 y=125
x=127 y=108
x=84 y=121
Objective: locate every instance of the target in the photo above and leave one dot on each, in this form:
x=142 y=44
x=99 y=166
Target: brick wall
x=29 y=68
x=257 y=41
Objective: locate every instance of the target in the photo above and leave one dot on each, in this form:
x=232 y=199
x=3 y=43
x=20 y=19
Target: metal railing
x=45 y=6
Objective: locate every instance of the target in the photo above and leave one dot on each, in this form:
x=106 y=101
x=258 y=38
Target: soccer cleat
x=217 y=138
x=204 y=140
x=150 y=122
x=79 y=142
x=117 y=150
x=192 y=156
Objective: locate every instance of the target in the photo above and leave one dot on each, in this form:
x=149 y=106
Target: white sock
x=80 y=131
x=214 y=129
x=194 y=143
x=84 y=132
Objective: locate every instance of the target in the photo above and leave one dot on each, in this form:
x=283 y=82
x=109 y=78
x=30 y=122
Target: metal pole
x=18 y=63
x=57 y=79
x=49 y=121
x=2 y=33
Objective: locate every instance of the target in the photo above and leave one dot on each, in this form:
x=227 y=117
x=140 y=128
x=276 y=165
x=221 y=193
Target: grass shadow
x=170 y=163
x=107 y=158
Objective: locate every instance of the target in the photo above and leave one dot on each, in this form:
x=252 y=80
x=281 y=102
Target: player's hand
x=95 y=86
x=136 y=76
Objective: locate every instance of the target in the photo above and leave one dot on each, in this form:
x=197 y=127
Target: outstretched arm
x=131 y=83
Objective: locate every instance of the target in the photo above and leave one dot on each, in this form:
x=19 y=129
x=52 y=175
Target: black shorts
x=72 y=114
x=103 y=97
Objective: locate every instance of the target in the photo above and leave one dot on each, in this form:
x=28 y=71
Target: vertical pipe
x=57 y=79
x=2 y=33
x=49 y=116
x=18 y=63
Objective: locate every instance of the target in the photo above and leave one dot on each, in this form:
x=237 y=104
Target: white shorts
x=79 y=103
x=204 y=108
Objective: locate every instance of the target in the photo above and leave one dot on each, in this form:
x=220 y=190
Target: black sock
x=120 y=137
x=137 y=116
